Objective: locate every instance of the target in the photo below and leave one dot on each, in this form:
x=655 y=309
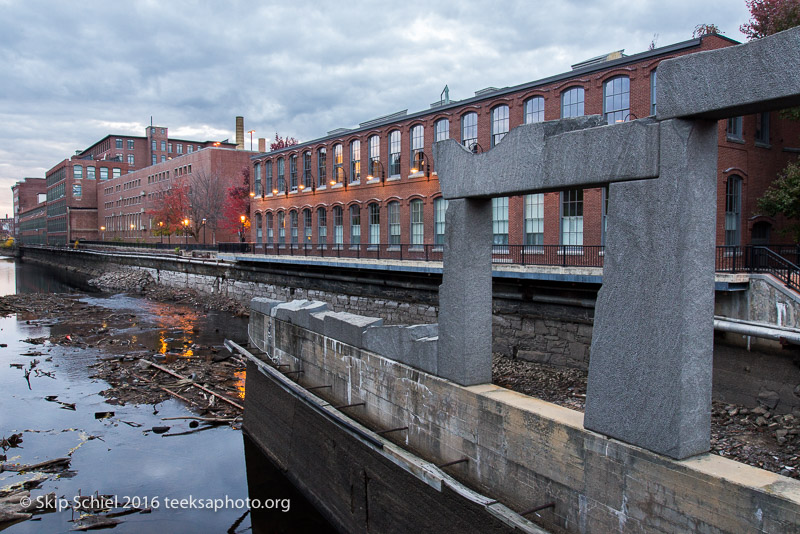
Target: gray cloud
x=73 y=74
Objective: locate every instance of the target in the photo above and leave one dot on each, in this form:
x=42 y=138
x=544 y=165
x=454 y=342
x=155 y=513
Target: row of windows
x=128 y=201
x=119 y=143
x=167 y=147
x=158 y=177
x=571 y=222
x=124 y=223
x=131 y=184
x=54 y=193
x=91 y=172
x=735 y=132
x=616 y=107
x=58 y=225
x=56 y=176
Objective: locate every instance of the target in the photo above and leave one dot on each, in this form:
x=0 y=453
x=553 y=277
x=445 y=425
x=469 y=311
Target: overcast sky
x=73 y=72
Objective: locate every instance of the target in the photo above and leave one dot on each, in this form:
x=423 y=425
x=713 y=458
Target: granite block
x=348 y=328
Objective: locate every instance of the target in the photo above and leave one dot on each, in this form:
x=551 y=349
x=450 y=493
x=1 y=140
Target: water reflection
x=125 y=460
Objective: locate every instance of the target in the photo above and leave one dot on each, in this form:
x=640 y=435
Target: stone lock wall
x=522 y=451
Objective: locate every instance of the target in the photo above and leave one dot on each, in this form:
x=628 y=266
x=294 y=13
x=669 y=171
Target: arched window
x=499 y=123
x=338 y=225
x=307 y=169
x=259 y=229
x=281 y=176
x=617 y=99
x=307 y=226
x=293 y=223
x=322 y=226
x=441 y=130
x=469 y=129
x=394 y=153
x=270 y=230
x=338 y=164
x=733 y=209
x=374 y=224
x=355 y=224
x=355 y=161
x=394 y=222
x=257 y=179
x=534 y=110
x=268 y=178
x=417 y=223
x=439 y=210
x=321 y=163
x=374 y=154
x=417 y=146
x=572 y=102
x=293 y=172
x=281 y=228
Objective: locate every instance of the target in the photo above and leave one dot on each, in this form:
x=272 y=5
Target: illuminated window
x=338 y=163
x=355 y=161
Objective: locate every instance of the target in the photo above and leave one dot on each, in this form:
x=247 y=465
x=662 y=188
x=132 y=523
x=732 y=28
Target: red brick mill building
x=374 y=192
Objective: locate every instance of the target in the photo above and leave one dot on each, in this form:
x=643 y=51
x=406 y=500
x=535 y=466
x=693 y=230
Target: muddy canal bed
x=103 y=424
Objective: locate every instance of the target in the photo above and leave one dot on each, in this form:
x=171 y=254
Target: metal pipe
x=398 y=429
x=764 y=332
x=454 y=462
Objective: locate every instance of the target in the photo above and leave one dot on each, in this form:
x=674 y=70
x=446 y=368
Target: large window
x=572 y=102
x=394 y=153
x=268 y=177
x=417 y=146
x=439 y=211
x=307 y=169
x=259 y=229
x=338 y=164
x=118 y=143
x=338 y=225
x=374 y=154
x=534 y=110
x=321 y=164
x=653 y=82
x=499 y=123
x=500 y=221
x=270 y=230
x=77 y=172
x=281 y=175
x=762 y=128
x=572 y=217
x=257 y=179
x=617 y=99
x=116 y=172
x=441 y=130
x=76 y=190
x=734 y=130
x=307 y=226
x=417 y=223
x=103 y=173
x=130 y=144
x=374 y=224
x=90 y=172
x=469 y=129
x=733 y=209
x=322 y=226
x=534 y=219
x=293 y=172
x=281 y=228
x=394 y=222
x=355 y=224
x=131 y=159
x=293 y=223
x=355 y=161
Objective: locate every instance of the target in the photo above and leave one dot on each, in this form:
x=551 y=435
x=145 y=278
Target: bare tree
x=206 y=194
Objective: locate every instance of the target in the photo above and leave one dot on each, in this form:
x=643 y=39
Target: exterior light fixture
x=252 y=194
x=476 y=148
x=373 y=163
x=421 y=164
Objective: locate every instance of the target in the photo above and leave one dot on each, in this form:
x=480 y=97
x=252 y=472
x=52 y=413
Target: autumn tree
x=280 y=142
x=237 y=203
x=169 y=206
x=770 y=16
x=783 y=197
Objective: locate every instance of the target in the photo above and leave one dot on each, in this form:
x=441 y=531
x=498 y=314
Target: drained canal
x=183 y=480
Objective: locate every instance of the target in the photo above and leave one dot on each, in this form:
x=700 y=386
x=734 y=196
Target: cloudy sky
x=73 y=72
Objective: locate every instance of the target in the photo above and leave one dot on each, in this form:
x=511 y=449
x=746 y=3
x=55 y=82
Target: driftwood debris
x=195 y=384
x=48 y=465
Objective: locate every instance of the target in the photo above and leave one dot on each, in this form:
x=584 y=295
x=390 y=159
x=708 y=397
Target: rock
x=760 y=421
x=769 y=399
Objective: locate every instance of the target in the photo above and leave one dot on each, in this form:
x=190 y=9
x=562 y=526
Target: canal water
x=179 y=477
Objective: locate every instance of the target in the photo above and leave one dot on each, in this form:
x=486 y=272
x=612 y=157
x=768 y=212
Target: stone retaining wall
x=526 y=452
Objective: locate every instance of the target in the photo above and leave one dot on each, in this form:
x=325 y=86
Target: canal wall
x=554 y=329
x=520 y=452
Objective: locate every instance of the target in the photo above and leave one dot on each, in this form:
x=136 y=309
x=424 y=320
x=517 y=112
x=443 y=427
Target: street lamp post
x=241 y=233
x=132 y=227
x=161 y=230
x=103 y=230
x=204 y=231
x=185 y=232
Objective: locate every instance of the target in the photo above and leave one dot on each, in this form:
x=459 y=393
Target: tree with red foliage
x=280 y=142
x=170 y=207
x=770 y=16
x=237 y=203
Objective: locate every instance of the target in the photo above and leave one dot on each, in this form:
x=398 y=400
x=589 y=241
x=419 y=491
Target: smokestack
x=239 y=133
x=262 y=144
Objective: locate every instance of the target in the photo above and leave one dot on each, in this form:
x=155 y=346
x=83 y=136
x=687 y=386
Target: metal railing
x=771 y=259
x=145 y=245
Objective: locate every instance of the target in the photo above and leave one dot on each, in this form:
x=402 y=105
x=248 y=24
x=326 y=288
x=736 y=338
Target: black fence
x=778 y=260
x=153 y=246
